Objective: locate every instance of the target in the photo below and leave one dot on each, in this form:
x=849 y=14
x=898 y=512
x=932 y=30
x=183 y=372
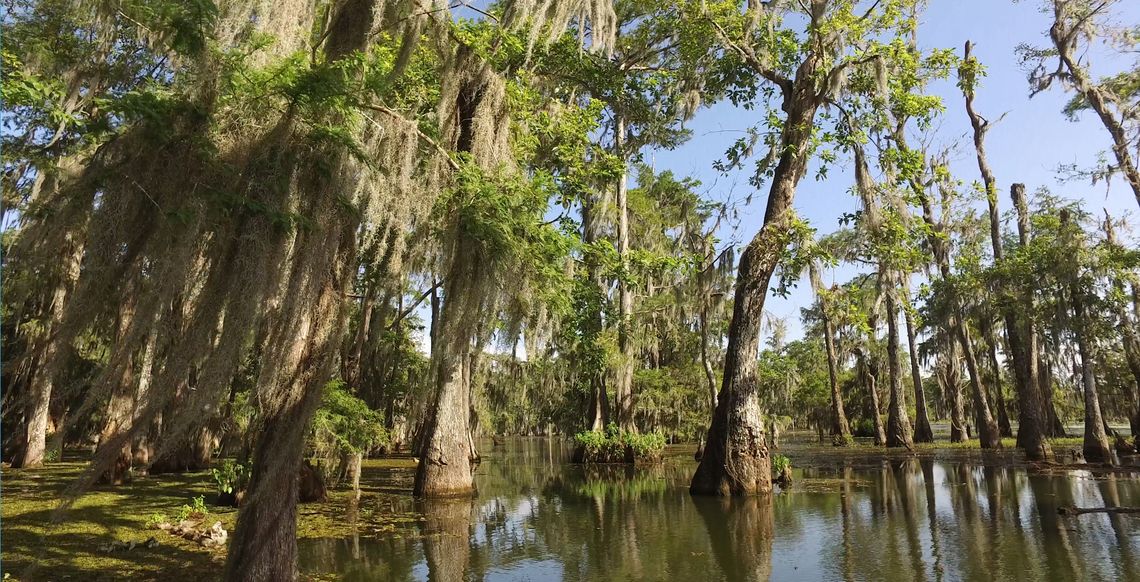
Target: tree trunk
x=954 y=327
x=598 y=415
x=923 y=433
x=840 y=429
x=1128 y=327
x=870 y=382
x=1045 y=380
x=706 y=361
x=958 y=432
x=354 y=464
x=264 y=544
x=121 y=406
x=736 y=459
x=988 y=435
x=986 y=430
x=304 y=336
x=1096 y=447
x=624 y=388
x=445 y=455
x=898 y=425
x=143 y=444
x=1031 y=425
x=38 y=397
x=998 y=392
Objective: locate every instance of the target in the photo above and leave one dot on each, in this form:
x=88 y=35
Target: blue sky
x=1028 y=145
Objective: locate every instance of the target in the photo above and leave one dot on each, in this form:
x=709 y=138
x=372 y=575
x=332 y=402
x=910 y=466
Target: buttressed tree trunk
x=1031 y=428
x=445 y=467
x=736 y=458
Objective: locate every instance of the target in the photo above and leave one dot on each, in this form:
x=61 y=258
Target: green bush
x=779 y=464
x=196 y=509
x=618 y=446
x=231 y=477
x=863 y=427
x=781 y=470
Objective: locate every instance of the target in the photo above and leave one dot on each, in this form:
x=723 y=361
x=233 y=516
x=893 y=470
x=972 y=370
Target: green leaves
x=345 y=423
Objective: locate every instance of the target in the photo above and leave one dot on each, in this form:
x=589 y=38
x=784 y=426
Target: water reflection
x=847 y=518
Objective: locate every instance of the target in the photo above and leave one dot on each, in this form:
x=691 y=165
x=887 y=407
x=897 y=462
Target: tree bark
x=445 y=468
x=1031 y=425
x=121 y=405
x=870 y=382
x=39 y=394
x=1096 y=447
x=1128 y=328
x=736 y=457
x=998 y=392
x=923 y=433
x=980 y=127
x=624 y=388
x=958 y=432
x=898 y=425
x=706 y=360
x=840 y=429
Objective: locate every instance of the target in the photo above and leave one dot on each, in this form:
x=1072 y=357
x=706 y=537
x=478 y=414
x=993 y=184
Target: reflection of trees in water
x=740 y=531
x=538 y=517
x=389 y=558
x=1059 y=555
x=446 y=531
x=902 y=473
x=927 y=467
x=1121 y=526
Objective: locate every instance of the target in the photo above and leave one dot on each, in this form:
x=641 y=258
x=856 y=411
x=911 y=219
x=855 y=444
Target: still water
x=951 y=516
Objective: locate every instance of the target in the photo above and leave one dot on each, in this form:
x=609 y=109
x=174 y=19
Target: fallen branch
x=1070 y=510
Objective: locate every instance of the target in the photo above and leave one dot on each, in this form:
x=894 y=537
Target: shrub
x=618 y=446
x=231 y=477
x=779 y=464
x=196 y=509
x=781 y=470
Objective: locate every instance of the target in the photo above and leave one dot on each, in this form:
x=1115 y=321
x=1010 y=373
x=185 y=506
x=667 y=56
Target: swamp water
x=951 y=515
